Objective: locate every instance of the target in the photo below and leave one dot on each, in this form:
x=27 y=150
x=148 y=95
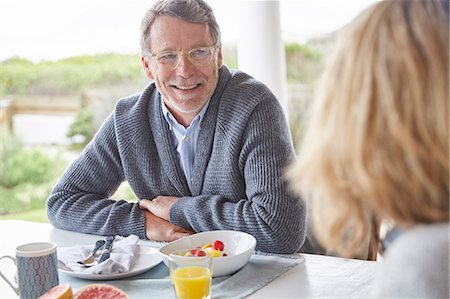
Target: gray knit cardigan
x=238 y=181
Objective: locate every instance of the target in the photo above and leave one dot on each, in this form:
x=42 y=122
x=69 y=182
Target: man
x=203 y=148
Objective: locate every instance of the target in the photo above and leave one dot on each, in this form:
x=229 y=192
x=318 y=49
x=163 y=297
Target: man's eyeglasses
x=169 y=60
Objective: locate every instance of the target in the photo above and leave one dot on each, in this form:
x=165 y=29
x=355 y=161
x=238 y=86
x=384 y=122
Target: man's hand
x=159 y=206
x=161 y=230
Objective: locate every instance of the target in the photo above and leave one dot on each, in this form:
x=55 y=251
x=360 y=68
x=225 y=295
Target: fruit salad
x=215 y=250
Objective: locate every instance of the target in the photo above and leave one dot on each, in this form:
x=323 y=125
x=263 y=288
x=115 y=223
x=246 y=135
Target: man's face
x=187 y=88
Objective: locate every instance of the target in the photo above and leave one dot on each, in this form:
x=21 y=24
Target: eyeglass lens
x=198 y=56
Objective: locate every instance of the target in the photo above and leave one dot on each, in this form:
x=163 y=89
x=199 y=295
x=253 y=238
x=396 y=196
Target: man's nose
x=185 y=67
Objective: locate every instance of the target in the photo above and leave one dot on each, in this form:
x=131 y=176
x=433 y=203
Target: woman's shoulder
x=421 y=241
x=417 y=264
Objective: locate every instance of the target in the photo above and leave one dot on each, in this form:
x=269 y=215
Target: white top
x=416 y=265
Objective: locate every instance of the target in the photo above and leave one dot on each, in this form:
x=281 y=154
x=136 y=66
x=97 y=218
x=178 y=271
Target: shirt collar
x=170 y=119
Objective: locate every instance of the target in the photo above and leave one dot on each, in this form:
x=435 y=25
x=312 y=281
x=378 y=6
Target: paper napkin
x=121 y=259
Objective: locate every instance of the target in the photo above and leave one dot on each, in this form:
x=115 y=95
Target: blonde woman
x=377 y=145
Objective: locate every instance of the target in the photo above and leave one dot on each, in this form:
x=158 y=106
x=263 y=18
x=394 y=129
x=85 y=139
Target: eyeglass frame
x=212 y=49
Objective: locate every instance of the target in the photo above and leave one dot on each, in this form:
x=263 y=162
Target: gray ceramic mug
x=37 y=269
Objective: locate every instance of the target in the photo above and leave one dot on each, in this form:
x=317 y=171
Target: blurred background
x=64 y=64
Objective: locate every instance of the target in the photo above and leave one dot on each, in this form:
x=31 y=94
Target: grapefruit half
x=100 y=291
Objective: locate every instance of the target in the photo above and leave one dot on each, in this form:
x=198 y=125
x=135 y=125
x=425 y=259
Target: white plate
x=146 y=258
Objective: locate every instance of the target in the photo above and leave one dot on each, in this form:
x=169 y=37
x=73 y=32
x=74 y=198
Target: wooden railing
x=37 y=104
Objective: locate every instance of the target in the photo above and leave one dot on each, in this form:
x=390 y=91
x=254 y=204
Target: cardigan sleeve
x=80 y=199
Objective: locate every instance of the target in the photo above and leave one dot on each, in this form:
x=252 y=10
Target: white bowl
x=239 y=246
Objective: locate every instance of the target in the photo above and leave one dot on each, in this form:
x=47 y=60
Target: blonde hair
x=377 y=142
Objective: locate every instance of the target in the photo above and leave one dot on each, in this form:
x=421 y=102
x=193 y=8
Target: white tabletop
x=316 y=277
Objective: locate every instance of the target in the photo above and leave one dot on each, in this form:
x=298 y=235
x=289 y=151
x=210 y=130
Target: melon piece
x=100 y=291
x=62 y=291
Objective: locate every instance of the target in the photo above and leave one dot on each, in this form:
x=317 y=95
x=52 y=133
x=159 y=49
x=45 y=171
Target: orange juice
x=192 y=282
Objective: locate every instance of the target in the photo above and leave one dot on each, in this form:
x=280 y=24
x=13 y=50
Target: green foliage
x=26 y=176
x=229 y=55
x=39 y=215
x=298 y=112
x=303 y=63
x=15 y=75
x=294 y=49
x=82 y=129
x=25 y=167
x=230 y=61
x=124 y=192
x=68 y=76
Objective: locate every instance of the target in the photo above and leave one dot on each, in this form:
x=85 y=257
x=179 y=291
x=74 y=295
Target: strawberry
x=218 y=245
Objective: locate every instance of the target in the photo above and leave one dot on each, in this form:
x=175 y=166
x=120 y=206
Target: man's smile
x=186 y=87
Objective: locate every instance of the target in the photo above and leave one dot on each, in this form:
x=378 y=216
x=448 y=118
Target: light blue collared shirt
x=185 y=139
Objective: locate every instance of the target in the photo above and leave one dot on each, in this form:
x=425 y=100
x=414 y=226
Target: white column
x=260 y=47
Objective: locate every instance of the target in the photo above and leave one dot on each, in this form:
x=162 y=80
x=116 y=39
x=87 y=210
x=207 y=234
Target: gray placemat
x=155 y=283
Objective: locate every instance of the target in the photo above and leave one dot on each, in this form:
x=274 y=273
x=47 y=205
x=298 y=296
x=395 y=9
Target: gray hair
x=194 y=11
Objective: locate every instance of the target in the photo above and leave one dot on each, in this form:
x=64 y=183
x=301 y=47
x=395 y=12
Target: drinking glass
x=191 y=276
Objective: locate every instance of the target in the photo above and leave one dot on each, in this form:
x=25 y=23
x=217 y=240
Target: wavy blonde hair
x=377 y=145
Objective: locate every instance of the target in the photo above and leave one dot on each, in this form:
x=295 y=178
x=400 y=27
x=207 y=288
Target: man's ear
x=219 y=58
x=146 y=65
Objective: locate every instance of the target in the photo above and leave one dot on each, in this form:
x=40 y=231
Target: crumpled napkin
x=121 y=258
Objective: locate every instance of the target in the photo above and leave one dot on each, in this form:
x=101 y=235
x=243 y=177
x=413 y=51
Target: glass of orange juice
x=191 y=276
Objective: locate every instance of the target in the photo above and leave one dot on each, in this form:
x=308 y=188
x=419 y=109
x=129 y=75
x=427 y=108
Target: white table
x=316 y=277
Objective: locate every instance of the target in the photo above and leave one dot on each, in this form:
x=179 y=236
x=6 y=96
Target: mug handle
x=11 y=284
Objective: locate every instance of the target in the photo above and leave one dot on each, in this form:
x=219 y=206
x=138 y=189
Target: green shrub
x=26 y=166
x=82 y=129
x=26 y=176
x=67 y=76
x=15 y=76
x=303 y=63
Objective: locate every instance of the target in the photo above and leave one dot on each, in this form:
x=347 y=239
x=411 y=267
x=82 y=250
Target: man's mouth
x=186 y=87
